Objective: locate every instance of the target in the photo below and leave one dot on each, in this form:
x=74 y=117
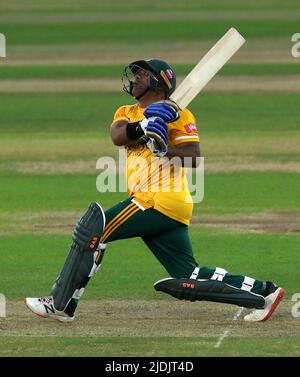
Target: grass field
x=59 y=88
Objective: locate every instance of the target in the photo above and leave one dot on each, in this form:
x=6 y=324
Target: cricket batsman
x=154 y=132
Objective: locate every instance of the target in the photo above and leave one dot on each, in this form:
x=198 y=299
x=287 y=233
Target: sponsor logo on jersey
x=190 y=127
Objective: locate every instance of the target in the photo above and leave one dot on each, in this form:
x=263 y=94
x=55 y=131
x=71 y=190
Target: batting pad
x=209 y=290
x=80 y=260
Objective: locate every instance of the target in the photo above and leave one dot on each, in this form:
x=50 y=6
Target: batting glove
x=156 y=129
x=163 y=110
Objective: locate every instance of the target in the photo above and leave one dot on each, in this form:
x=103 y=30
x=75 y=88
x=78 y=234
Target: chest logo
x=190 y=127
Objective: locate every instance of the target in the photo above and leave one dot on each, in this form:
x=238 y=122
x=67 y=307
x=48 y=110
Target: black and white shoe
x=44 y=307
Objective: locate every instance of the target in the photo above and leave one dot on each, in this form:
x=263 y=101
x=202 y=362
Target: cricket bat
x=207 y=67
x=2 y=46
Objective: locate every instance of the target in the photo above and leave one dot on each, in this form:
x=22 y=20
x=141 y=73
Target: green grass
x=93 y=112
x=246 y=113
x=123 y=31
x=104 y=346
x=245 y=192
x=60 y=192
x=77 y=6
x=154 y=346
x=32 y=257
x=250 y=192
x=68 y=71
x=64 y=113
x=268 y=347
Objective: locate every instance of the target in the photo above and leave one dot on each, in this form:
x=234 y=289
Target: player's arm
x=159 y=114
x=119 y=132
x=155 y=129
x=191 y=150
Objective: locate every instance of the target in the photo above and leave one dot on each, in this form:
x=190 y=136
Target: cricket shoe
x=272 y=300
x=44 y=307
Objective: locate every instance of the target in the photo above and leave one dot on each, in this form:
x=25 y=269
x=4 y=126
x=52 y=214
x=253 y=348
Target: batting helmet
x=162 y=76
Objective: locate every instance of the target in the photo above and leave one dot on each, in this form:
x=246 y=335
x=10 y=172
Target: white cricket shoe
x=44 y=307
x=271 y=303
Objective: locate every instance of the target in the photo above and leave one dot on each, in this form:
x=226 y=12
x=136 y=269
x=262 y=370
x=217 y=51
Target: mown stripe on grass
x=152 y=14
x=88 y=166
x=62 y=222
x=231 y=123
x=122 y=31
x=77 y=6
x=238 y=192
x=271 y=346
x=75 y=71
x=231 y=84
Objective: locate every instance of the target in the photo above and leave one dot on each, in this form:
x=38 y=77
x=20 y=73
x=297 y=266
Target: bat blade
x=207 y=67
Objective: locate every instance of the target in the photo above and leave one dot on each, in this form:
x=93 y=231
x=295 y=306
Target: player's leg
x=189 y=281
x=170 y=243
x=271 y=292
x=81 y=263
x=125 y=220
x=173 y=249
x=119 y=211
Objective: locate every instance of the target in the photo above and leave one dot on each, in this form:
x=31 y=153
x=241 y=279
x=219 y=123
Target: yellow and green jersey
x=152 y=181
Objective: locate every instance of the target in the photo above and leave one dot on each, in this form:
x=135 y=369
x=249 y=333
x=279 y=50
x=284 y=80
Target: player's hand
x=156 y=129
x=164 y=110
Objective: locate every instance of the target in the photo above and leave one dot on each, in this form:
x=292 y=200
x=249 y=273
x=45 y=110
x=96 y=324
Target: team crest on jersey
x=169 y=73
x=191 y=127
